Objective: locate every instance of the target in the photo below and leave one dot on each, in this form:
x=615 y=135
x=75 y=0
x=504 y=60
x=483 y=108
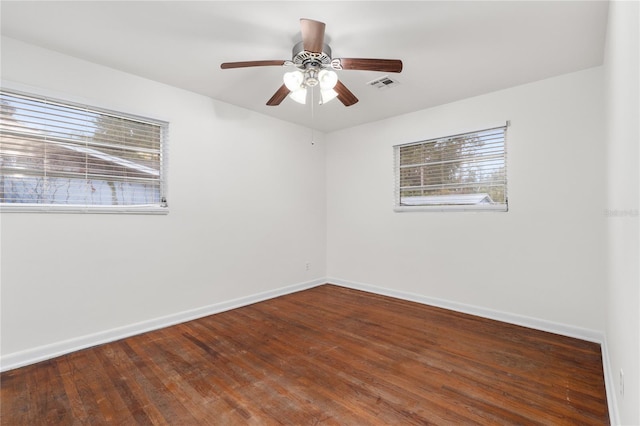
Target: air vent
x=383 y=82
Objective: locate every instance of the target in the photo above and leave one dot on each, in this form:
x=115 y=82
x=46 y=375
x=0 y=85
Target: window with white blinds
x=460 y=172
x=61 y=156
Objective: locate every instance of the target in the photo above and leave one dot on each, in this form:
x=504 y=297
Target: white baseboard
x=609 y=384
x=42 y=353
x=535 y=323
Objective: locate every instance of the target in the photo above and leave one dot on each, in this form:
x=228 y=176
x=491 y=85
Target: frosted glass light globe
x=328 y=79
x=293 y=80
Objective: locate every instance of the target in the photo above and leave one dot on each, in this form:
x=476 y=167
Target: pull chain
x=313 y=105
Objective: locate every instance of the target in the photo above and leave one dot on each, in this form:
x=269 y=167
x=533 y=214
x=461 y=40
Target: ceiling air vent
x=383 y=82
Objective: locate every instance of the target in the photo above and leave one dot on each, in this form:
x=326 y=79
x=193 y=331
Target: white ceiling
x=451 y=49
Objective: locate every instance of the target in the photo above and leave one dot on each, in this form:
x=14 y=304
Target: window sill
x=454 y=208
x=53 y=208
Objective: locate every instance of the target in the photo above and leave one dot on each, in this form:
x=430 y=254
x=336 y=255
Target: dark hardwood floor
x=327 y=355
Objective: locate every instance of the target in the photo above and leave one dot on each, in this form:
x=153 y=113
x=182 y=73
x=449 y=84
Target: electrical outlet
x=621 y=383
x=307 y=266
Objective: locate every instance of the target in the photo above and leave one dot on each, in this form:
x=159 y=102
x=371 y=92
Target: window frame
x=153 y=208
x=496 y=207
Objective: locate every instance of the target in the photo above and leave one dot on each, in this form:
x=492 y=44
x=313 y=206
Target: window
x=59 y=156
x=461 y=172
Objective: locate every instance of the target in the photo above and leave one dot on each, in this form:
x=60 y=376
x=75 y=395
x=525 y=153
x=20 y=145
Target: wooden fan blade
x=279 y=96
x=344 y=95
x=246 y=64
x=384 y=65
x=312 y=35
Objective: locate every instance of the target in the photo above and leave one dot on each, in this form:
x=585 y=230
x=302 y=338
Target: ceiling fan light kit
x=298 y=82
x=315 y=67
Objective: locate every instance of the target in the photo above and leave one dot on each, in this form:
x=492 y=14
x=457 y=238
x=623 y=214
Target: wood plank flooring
x=328 y=355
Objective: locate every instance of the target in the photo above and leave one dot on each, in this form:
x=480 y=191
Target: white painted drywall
x=543 y=259
x=246 y=213
x=622 y=75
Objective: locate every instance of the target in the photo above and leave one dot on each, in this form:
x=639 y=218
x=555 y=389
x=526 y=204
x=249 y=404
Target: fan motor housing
x=302 y=58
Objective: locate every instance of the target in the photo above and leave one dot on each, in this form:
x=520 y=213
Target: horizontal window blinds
x=461 y=170
x=58 y=153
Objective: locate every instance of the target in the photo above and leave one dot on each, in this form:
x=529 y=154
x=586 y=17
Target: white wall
x=623 y=203
x=245 y=215
x=543 y=259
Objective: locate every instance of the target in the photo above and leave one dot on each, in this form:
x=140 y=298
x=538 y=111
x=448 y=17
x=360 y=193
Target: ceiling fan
x=315 y=66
